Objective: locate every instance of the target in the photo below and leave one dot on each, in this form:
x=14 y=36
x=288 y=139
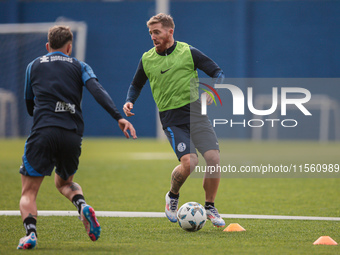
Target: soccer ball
x=191 y=216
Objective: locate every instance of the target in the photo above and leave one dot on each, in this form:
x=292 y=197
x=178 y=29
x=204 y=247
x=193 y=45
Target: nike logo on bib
x=165 y=71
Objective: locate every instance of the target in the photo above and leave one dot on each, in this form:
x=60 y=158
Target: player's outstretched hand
x=127 y=109
x=210 y=100
x=125 y=125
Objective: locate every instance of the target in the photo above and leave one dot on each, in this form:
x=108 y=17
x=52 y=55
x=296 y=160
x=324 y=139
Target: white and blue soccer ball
x=191 y=216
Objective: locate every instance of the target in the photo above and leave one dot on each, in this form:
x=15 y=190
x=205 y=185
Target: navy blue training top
x=55 y=82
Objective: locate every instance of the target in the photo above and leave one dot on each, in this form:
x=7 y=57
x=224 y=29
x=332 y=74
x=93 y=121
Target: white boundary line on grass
x=162 y=215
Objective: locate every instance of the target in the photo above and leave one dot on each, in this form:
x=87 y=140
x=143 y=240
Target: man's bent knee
x=189 y=162
x=212 y=157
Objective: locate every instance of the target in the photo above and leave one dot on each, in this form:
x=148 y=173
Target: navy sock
x=172 y=195
x=208 y=203
x=78 y=200
x=30 y=225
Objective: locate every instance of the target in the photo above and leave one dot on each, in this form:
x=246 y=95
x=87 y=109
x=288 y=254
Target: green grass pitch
x=127 y=175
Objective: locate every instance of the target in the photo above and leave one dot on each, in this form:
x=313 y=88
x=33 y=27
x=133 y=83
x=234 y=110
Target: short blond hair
x=165 y=19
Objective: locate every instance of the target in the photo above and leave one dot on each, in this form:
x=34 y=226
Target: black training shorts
x=185 y=139
x=51 y=147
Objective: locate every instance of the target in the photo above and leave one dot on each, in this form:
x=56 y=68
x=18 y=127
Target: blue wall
x=280 y=39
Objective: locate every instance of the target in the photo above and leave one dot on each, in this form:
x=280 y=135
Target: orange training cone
x=234 y=227
x=326 y=240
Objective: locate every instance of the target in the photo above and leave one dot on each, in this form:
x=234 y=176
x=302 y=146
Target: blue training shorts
x=185 y=139
x=51 y=147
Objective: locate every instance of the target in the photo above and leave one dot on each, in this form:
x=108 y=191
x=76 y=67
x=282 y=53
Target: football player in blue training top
x=53 y=93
